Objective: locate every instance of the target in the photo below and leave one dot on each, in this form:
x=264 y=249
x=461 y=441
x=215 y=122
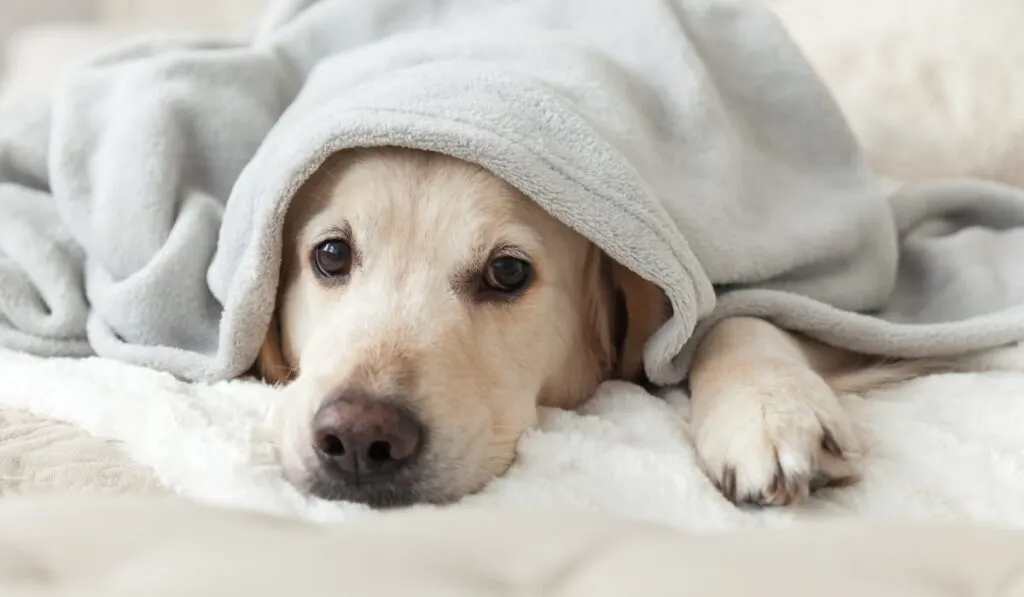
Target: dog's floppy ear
x=600 y=312
x=270 y=363
x=641 y=308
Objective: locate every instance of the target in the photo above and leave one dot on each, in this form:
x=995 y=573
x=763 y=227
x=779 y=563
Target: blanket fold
x=689 y=139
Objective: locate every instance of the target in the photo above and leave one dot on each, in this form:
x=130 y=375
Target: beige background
x=15 y=14
x=39 y=37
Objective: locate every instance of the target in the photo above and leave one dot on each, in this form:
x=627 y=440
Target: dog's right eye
x=332 y=259
x=507 y=275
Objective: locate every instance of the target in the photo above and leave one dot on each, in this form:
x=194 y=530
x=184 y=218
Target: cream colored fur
x=767 y=423
x=402 y=327
x=768 y=426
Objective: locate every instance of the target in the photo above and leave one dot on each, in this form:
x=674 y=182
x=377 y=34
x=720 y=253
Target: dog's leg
x=767 y=426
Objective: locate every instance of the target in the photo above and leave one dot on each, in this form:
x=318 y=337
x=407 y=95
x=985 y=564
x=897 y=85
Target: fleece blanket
x=141 y=205
x=943 y=448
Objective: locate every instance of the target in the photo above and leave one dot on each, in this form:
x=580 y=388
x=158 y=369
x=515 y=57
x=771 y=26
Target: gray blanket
x=141 y=205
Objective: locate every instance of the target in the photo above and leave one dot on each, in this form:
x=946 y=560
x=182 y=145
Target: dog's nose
x=361 y=438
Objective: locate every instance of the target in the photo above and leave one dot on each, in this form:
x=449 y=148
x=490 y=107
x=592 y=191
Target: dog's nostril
x=331 y=445
x=379 y=451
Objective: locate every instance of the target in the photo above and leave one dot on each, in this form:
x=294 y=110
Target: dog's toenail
x=830 y=445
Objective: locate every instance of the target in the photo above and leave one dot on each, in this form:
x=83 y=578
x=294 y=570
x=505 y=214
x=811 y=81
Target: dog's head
x=426 y=309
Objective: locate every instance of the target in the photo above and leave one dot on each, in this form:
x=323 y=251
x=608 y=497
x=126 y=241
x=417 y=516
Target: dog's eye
x=507 y=274
x=332 y=259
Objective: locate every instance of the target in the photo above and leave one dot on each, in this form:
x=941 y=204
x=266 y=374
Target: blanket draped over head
x=141 y=204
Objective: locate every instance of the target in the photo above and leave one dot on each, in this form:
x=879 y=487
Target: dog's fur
x=766 y=421
x=405 y=326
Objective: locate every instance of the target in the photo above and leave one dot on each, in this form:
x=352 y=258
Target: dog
x=408 y=378
x=427 y=309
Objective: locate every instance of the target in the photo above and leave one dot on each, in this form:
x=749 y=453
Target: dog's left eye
x=332 y=259
x=507 y=275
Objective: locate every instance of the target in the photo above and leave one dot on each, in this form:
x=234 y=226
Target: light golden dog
x=427 y=309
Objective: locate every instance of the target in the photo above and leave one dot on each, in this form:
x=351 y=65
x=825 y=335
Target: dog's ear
x=640 y=309
x=600 y=312
x=270 y=363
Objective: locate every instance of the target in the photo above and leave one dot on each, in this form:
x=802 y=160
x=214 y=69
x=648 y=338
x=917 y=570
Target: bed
x=943 y=448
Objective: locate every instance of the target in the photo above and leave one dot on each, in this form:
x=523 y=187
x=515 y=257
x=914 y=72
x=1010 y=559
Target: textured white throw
x=945 y=447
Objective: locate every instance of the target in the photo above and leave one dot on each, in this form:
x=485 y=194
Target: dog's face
x=426 y=310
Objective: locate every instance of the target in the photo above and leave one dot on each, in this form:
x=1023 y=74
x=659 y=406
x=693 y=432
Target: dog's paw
x=774 y=436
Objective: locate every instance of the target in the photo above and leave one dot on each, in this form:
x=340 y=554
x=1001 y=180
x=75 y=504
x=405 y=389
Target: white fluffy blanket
x=945 y=447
